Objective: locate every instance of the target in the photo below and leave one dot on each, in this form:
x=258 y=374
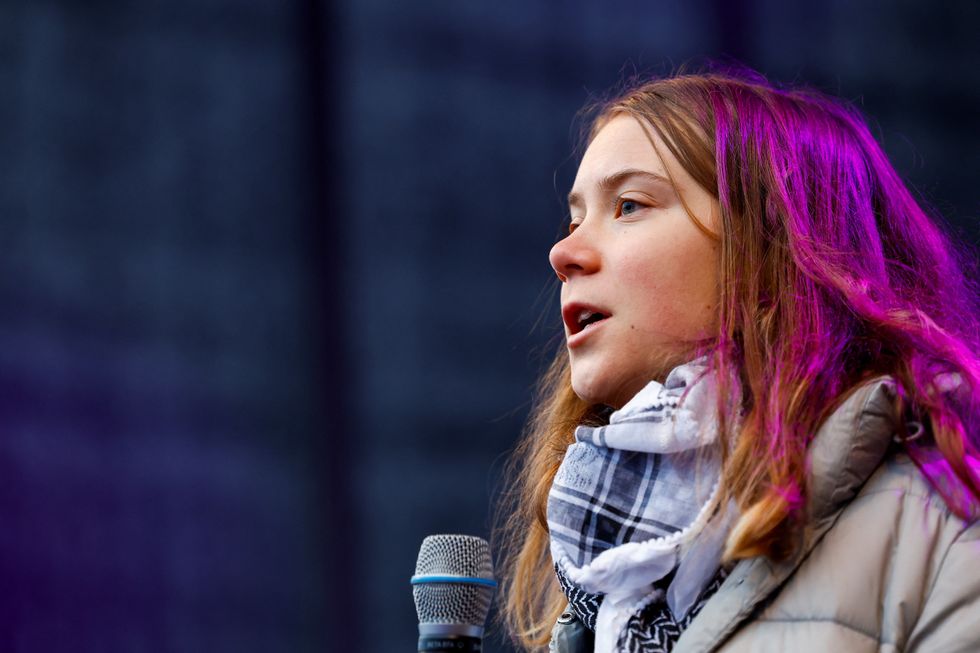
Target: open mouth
x=579 y=317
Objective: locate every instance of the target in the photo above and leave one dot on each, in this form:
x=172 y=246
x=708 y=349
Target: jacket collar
x=848 y=447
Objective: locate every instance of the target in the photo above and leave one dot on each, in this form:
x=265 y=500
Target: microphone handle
x=450 y=644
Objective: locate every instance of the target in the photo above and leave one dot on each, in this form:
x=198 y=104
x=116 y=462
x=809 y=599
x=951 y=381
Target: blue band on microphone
x=467 y=580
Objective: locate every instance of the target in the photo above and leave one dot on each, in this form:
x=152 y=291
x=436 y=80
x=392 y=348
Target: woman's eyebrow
x=609 y=182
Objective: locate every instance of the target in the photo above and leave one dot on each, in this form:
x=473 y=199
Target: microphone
x=453 y=586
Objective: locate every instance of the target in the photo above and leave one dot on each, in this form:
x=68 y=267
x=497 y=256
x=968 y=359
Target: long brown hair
x=831 y=273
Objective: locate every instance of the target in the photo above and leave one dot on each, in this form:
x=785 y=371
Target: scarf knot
x=631 y=499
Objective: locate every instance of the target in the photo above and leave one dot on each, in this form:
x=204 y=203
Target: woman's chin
x=586 y=392
x=595 y=392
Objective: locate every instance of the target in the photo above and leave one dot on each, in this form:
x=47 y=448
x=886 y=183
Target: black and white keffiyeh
x=651 y=629
x=631 y=501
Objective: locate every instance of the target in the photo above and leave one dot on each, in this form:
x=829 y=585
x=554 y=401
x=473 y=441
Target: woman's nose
x=574 y=255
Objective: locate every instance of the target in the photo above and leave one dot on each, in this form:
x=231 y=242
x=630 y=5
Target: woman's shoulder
x=892 y=532
x=894 y=566
x=900 y=542
x=900 y=488
x=858 y=456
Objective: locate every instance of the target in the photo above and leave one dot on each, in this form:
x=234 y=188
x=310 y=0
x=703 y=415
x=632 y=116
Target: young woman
x=761 y=433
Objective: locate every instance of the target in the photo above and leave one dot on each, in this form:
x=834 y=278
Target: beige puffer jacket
x=885 y=565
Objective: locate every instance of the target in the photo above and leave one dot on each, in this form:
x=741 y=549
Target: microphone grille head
x=453 y=582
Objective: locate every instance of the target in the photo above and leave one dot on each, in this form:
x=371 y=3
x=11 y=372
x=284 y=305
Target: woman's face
x=639 y=278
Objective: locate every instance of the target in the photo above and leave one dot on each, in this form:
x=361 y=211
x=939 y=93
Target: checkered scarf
x=630 y=497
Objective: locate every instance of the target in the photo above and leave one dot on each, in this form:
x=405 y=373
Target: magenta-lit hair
x=831 y=274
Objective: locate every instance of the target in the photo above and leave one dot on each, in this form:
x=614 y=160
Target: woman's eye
x=627 y=206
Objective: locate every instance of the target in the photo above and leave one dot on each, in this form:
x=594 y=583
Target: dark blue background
x=275 y=286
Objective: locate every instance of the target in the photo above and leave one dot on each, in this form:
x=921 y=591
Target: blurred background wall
x=275 y=287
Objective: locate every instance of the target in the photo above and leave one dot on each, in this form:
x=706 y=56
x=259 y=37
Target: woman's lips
x=573 y=314
x=577 y=339
x=581 y=321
